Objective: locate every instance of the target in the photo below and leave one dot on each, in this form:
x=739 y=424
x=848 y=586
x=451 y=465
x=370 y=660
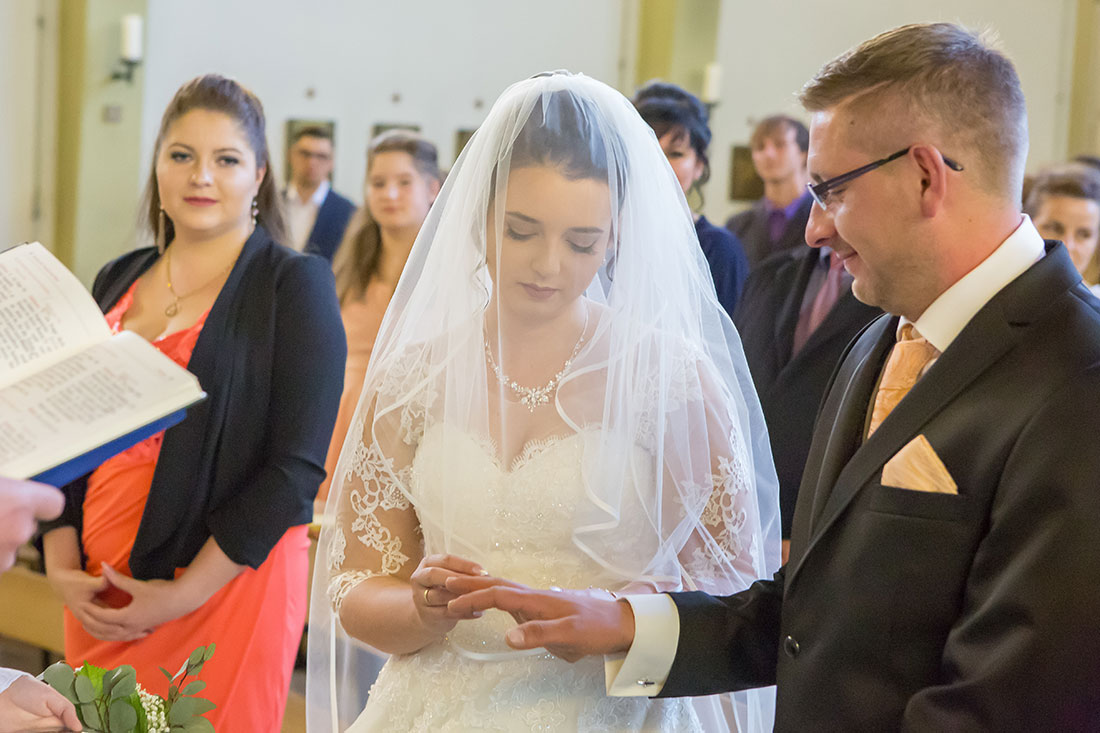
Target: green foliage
x=110 y=700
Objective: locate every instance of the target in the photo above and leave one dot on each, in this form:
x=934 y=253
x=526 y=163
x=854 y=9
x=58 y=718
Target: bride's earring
x=255 y=212
x=161 y=236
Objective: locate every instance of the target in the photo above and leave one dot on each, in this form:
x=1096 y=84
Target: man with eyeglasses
x=316 y=215
x=944 y=571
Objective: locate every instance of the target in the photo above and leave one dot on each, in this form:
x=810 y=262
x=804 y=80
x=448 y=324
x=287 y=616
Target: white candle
x=131 y=37
x=712 y=82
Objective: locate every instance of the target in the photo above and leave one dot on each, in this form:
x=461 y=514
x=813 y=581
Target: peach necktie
x=909 y=359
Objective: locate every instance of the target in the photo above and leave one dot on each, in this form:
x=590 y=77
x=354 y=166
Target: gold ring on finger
x=426 y=601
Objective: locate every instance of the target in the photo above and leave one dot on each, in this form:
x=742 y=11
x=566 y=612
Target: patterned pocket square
x=917 y=467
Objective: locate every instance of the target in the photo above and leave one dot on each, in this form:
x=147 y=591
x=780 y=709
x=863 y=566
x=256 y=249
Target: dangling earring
x=161 y=236
x=255 y=212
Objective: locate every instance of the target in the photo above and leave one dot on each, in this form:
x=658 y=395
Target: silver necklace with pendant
x=534 y=397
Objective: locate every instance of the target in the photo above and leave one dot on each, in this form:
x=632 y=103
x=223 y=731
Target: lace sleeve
x=721 y=554
x=376 y=530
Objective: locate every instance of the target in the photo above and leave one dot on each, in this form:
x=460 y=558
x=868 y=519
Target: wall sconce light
x=712 y=85
x=130 y=48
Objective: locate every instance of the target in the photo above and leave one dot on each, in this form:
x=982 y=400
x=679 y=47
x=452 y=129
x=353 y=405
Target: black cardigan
x=244 y=466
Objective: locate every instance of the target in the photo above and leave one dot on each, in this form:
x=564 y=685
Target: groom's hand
x=569 y=624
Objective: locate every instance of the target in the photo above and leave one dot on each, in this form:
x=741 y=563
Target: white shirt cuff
x=642 y=671
x=7 y=676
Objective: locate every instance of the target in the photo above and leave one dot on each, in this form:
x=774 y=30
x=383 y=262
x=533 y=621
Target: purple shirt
x=779 y=217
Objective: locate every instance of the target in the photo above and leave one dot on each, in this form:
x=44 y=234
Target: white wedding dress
x=471 y=680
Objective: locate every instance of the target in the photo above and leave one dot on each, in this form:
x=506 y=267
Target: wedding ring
x=426 y=602
x=555 y=588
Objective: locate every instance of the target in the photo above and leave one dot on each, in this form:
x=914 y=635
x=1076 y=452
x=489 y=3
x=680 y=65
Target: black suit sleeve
x=307 y=379
x=1024 y=653
x=727 y=643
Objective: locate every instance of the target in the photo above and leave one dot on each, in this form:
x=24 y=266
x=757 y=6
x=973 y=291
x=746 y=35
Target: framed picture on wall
x=381 y=127
x=295 y=127
x=462 y=136
x=745 y=185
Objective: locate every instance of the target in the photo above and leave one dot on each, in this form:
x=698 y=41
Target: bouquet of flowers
x=112 y=701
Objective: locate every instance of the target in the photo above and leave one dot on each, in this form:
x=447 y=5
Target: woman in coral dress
x=403 y=178
x=197 y=535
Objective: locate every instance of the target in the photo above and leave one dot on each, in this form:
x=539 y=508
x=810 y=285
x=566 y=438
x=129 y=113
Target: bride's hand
x=430 y=594
x=570 y=624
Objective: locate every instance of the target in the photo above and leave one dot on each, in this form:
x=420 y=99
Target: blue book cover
x=70 y=470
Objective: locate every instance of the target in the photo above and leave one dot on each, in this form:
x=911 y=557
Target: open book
x=72 y=394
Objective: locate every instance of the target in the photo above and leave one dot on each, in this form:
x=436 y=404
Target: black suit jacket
x=751 y=227
x=245 y=464
x=938 y=612
x=328 y=229
x=791 y=389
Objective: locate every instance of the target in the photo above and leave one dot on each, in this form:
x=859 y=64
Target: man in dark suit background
x=316 y=215
x=943 y=568
x=777 y=222
x=795 y=317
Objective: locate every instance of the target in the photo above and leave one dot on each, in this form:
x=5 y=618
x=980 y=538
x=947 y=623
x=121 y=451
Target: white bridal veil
x=679 y=491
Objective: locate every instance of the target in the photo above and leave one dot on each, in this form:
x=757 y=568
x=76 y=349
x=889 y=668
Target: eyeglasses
x=821 y=191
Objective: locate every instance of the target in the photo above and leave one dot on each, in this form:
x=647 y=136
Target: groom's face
x=552 y=242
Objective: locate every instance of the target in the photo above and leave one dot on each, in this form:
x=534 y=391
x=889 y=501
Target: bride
x=556 y=397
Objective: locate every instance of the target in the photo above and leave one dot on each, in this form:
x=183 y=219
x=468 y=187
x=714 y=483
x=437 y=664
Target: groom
x=944 y=571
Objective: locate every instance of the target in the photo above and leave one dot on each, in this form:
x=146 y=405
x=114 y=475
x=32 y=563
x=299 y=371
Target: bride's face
x=554 y=238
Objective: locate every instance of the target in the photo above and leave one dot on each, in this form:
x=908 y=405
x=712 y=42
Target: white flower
x=154 y=711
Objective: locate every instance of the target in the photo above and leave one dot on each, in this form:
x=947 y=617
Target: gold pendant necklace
x=173 y=308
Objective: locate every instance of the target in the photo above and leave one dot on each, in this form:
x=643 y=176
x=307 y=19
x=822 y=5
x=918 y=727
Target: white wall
x=28 y=89
x=768 y=50
x=447 y=60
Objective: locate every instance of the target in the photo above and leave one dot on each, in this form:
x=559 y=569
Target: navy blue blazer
x=245 y=464
x=728 y=265
x=328 y=229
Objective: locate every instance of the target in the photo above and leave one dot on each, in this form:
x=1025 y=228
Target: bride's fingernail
x=482 y=571
x=514 y=637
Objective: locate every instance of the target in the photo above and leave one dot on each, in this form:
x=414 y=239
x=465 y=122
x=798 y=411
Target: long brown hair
x=356 y=262
x=219 y=94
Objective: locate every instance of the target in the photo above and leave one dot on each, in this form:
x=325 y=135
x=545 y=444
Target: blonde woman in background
x=1064 y=203
x=403 y=179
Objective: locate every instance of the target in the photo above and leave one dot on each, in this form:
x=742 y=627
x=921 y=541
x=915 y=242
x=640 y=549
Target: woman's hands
x=430 y=594
x=80 y=593
x=152 y=603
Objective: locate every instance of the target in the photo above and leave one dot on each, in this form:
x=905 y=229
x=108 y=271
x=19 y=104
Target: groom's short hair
x=939 y=80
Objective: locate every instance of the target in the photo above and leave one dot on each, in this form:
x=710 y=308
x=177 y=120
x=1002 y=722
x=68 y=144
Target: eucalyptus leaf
x=182 y=710
x=109 y=678
x=194 y=687
x=124 y=687
x=208 y=653
x=198 y=725
x=196 y=657
x=166 y=673
x=85 y=689
x=122 y=715
x=60 y=676
x=90 y=715
x=201 y=705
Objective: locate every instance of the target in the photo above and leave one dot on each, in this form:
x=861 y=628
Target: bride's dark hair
x=570 y=133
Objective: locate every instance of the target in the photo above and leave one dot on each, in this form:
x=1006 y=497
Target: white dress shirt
x=302 y=215
x=644 y=669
